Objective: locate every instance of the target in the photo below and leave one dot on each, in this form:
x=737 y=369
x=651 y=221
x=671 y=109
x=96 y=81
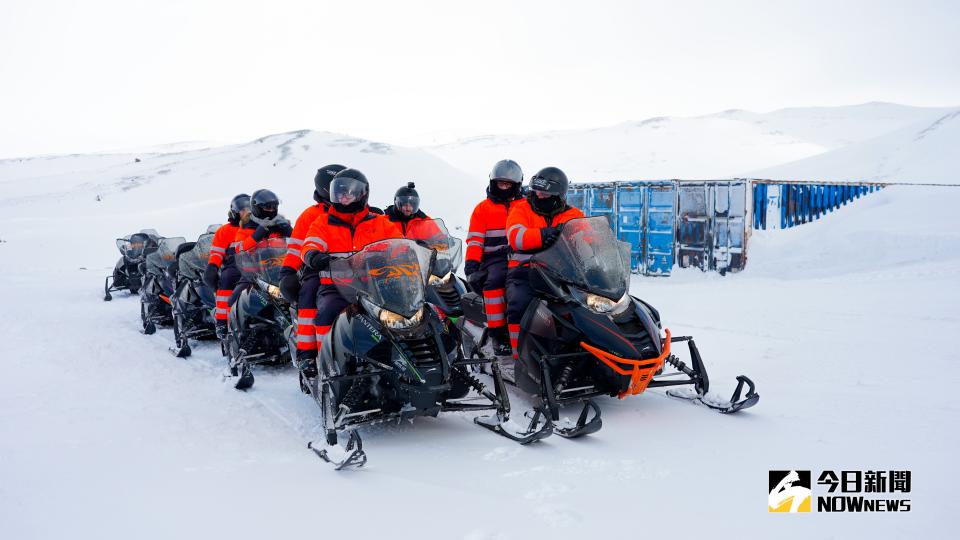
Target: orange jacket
x=523 y=228
x=418 y=227
x=487 y=234
x=295 y=242
x=222 y=248
x=345 y=234
x=244 y=240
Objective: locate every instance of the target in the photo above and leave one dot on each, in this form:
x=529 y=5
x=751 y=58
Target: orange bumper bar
x=640 y=371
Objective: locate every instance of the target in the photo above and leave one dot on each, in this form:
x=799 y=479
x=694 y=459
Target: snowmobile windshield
x=392 y=274
x=588 y=256
x=433 y=234
x=264 y=260
x=194 y=262
x=165 y=255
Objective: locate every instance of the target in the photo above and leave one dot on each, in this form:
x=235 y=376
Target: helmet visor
x=240 y=203
x=507 y=171
x=345 y=190
x=407 y=204
x=269 y=207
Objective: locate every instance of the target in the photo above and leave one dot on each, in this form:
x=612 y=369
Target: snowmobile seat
x=472 y=304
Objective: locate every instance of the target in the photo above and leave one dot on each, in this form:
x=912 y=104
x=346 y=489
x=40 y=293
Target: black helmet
x=264 y=204
x=407 y=195
x=321 y=182
x=237 y=204
x=552 y=181
x=353 y=183
x=505 y=170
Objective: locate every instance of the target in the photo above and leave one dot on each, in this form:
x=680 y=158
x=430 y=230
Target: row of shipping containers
x=704 y=224
x=672 y=222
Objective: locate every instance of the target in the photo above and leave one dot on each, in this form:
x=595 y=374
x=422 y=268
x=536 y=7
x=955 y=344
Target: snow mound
x=895 y=228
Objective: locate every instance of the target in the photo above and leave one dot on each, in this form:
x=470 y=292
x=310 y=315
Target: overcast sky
x=97 y=74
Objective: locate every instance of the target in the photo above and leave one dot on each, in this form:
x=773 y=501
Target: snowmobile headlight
x=389 y=318
x=602 y=304
x=272 y=290
x=275 y=292
x=437 y=281
x=397 y=321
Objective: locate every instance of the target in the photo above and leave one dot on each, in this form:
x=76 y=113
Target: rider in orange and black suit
x=265 y=222
x=299 y=284
x=486 y=257
x=346 y=227
x=533 y=225
x=221 y=274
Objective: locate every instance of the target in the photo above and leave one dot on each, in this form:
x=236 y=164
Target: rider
x=221 y=274
x=486 y=257
x=303 y=291
x=346 y=227
x=265 y=222
x=533 y=225
x=406 y=213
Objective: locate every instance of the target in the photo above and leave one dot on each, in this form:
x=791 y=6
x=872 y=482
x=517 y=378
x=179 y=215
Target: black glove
x=260 y=233
x=211 y=276
x=281 y=226
x=476 y=281
x=549 y=235
x=289 y=284
x=470 y=267
x=317 y=260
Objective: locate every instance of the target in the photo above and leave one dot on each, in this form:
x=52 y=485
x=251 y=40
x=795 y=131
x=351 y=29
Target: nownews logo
x=789 y=491
x=850 y=491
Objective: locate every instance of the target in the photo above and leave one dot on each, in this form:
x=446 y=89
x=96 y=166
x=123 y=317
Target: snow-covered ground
x=847 y=325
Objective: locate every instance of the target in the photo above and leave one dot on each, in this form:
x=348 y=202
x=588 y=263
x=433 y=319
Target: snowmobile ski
x=585 y=424
x=734 y=404
x=497 y=423
x=246 y=378
x=532 y=433
x=353 y=455
x=181 y=351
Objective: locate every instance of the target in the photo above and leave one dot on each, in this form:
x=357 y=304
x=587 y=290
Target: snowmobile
x=444 y=288
x=584 y=336
x=391 y=356
x=193 y=301
x=158 y=284
x=126 y=273
x=259 y=326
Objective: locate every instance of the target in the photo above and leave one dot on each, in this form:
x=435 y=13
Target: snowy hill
x=721 y=145
x=923 y=152
x=181 y=193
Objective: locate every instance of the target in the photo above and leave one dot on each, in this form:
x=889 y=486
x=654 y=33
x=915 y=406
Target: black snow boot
x=500 y=341
x=307 y=363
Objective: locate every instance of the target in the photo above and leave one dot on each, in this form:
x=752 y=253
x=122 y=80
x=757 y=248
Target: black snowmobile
x=193 y=301
x=159 y=269
x=444 y=287
x=584 y=336
x=390 y=355
x=127 y=273
x=259 y=326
